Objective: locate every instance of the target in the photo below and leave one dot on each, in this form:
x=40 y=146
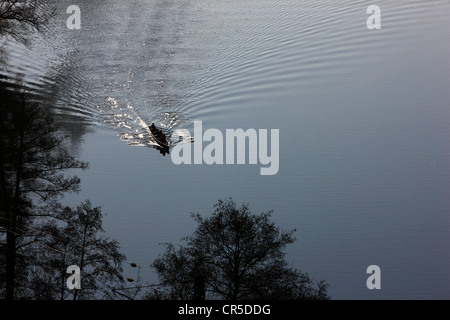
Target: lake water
x=363 y=117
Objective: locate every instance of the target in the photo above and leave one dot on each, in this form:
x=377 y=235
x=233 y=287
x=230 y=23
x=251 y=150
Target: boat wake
x=134 y=128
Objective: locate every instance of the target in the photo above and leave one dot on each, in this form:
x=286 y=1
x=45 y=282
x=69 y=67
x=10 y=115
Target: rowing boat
x=159 y=136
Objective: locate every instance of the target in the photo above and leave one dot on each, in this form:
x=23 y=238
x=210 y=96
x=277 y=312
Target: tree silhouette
x=20 y=18
x=76 y=239
x=234 y=255
x=33 y=160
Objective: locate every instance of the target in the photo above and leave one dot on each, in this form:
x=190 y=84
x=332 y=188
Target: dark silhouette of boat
x=159 y=136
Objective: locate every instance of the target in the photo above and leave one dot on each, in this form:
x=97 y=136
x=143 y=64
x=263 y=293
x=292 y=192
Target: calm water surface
x=363 y=118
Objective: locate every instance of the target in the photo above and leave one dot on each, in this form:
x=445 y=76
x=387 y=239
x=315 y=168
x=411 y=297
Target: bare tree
x=20 y=18
x=33 y=160
x=235 y=255
x=76 y=239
